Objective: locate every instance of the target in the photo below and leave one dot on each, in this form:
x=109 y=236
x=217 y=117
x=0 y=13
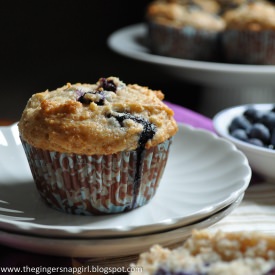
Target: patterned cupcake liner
x=97 y=184
x=249 y=47
x=185 y=42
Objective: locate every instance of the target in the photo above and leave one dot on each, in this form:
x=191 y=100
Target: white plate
x=109 y=247
x=204 y=174
x=129 y=42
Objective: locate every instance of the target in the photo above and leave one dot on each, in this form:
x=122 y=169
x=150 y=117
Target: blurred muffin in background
x=249 y=36
x=207 y=5
x=226 y=5
x=184 y=29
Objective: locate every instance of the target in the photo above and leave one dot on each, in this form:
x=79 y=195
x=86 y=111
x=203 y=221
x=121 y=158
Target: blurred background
x=45 y=44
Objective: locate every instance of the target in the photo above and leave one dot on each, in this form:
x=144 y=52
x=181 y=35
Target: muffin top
x=102 y=118
x=226 y=5
x=207 y=5
x=180 y=15
x=254 y=16
x=239 y=253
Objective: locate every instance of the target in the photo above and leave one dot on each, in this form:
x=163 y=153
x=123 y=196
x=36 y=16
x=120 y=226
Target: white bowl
x=261 y=160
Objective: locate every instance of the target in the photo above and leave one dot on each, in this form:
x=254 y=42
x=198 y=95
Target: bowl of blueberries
x=251 y=128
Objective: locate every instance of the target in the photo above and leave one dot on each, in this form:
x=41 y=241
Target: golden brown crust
x=232 y=245
x=226 y=5
x=173 y=13
x=58 y=121
x=211 y=6
x=253 y=16
x=239 y=253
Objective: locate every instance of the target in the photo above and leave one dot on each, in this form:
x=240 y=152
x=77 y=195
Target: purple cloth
x=10 y=257
x=189 y=117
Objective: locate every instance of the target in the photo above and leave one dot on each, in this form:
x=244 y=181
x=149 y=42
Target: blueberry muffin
x=226 y=5
x=239 y=253
x=183 y=30
x=249 y=36
x=97 y=148
x=207 y=5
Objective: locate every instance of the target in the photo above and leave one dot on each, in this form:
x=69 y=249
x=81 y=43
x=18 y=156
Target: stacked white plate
x=204 y=181
x=131 y=42
x=222 y=84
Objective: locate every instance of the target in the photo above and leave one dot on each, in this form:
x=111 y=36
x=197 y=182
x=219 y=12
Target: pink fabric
x=190 y=117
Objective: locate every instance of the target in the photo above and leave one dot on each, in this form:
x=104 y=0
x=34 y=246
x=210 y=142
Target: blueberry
x=271 y=272
x=107 y=85
x=149 y=129
x=268 y=119
x=99 y=98
x=240 y=134
x=252 y=114
x=254 y=126
x=79 y=94
x=85 y=99
x=272 y=139
x=82 y=99
x=259 y=131
x=255 y=141
x=239 y=122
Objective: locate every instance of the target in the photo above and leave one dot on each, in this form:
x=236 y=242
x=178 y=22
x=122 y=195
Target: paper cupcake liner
x=249 y=47
x=97 y=184
x=185 y=42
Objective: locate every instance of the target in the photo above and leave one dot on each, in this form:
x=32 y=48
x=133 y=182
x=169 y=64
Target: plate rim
x=144 y=229
x=140 y=28
x=167 y=238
